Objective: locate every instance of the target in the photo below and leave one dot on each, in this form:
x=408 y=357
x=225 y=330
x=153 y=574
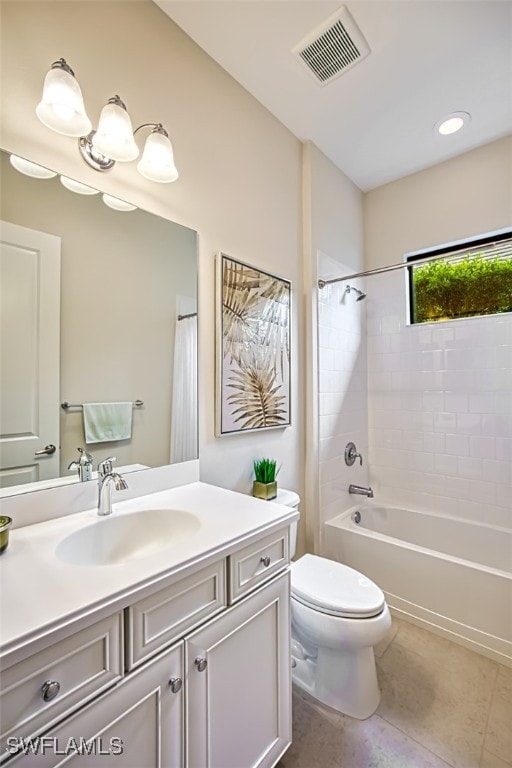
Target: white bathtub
x=449 y=575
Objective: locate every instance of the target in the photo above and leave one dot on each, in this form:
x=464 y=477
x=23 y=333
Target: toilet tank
x=292 y=500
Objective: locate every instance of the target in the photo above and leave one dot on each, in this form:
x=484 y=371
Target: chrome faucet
x=107 y=478
x=361 y=490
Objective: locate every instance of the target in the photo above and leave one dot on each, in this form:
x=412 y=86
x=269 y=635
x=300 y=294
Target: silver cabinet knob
x=201 y=664
x=50 y=689
x=175 y=684
x=265 y=560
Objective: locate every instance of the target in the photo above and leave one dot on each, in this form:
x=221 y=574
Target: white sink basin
x=115 y=540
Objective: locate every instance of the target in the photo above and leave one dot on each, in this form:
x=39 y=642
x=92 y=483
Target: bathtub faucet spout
x=361 y=490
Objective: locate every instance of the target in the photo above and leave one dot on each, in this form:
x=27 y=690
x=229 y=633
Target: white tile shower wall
x=342 y=387
x=440 y=408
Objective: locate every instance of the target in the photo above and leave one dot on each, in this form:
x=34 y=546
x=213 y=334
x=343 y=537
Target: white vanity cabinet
x=238 y=683
x=137 y=724
x=206 y=680
x=42 y=688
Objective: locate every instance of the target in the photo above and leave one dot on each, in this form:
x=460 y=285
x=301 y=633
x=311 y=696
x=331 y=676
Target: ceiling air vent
x=333 y=47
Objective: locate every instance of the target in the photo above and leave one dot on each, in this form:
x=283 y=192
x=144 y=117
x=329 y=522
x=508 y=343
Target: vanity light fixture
x=452 y=123
x=62 y=109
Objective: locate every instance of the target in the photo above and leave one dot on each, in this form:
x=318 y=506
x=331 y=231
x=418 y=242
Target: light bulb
x=452 y=123
x=157 y=161
x=114 y=137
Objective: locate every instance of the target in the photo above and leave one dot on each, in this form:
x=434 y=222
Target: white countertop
x=40 y=592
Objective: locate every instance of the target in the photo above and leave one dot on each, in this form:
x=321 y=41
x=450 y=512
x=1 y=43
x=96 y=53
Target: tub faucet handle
x=351 y=455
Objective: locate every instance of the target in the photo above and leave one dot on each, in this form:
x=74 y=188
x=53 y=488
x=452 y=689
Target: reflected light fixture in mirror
x=62 y=110
x=39 y=172
x=117 y=204
x=30 y=169
x=77 y=186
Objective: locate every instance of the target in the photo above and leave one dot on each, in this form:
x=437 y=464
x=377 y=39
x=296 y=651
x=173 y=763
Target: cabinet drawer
x=82 y=665
x=137 y=723
x=158 y=620
x=257 y=562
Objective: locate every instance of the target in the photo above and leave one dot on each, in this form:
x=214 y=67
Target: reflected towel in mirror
x=104 y=422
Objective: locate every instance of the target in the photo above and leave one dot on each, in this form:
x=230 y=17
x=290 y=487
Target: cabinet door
x=239 y=683
x=137 y=724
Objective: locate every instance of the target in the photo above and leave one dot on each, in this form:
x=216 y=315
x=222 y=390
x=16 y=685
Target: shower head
x=360 y=294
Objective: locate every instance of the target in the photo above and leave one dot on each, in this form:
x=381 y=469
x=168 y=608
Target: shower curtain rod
x=377 y=270
x=184 y=317
x=500 y=237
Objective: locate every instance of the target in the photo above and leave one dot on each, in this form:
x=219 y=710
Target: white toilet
x=338 y=615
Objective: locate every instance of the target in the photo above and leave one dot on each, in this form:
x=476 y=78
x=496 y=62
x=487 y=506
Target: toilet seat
x=335 y=589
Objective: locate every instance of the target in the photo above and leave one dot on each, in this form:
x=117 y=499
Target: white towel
x=104 y=422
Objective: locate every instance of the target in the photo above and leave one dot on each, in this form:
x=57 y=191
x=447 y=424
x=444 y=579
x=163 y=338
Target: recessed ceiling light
x=452 y=123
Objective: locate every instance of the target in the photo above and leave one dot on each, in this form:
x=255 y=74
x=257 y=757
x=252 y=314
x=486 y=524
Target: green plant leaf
x=475 y=285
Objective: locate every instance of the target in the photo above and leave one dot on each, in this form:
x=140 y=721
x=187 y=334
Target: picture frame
x=253 y=348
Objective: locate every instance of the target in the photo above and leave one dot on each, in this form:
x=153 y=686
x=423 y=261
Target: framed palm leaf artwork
x=253 y=348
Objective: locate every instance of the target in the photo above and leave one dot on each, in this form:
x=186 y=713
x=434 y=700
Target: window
x=466 y=279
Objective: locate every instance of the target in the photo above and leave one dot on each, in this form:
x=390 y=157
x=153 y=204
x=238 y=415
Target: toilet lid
x=334 y=588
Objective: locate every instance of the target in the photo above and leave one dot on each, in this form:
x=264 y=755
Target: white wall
x=342 y=390
x=463 y=197
x=440 y=395
x=440 y=409
x=439 y=414
x=333 y=208
x=240 y=171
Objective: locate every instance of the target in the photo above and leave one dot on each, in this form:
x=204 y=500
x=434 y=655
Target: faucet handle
x=105 y=466
x=351 y=455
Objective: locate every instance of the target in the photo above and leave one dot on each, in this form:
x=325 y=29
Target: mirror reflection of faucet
x=83 y=466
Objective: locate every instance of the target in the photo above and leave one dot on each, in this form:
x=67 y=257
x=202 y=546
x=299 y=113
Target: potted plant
x=265 y=484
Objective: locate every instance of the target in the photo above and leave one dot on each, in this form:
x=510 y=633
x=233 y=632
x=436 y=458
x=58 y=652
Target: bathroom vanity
x=147 y=646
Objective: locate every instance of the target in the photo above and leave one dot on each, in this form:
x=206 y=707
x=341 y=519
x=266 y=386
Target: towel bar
x=65 y=405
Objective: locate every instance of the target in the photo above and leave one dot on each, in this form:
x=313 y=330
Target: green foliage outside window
x=475 y=285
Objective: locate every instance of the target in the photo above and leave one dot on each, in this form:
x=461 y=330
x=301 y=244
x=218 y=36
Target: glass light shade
x=77 y=186
x=157 y=161
x=117 y=204
x=62 y=106
x=114 y=137
x=31 y=169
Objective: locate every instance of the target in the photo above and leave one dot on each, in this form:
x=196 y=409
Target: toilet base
x=344 y=680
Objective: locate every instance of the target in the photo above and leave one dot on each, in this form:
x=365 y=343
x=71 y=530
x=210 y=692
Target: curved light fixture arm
x=157 y=128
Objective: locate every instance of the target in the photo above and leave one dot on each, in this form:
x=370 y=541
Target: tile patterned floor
x=442 y=705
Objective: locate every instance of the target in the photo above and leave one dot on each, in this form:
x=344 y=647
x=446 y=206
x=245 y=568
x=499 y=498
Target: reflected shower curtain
x=184 y=392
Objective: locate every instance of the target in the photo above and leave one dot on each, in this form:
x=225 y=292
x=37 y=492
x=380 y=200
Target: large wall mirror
x=97 y=306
